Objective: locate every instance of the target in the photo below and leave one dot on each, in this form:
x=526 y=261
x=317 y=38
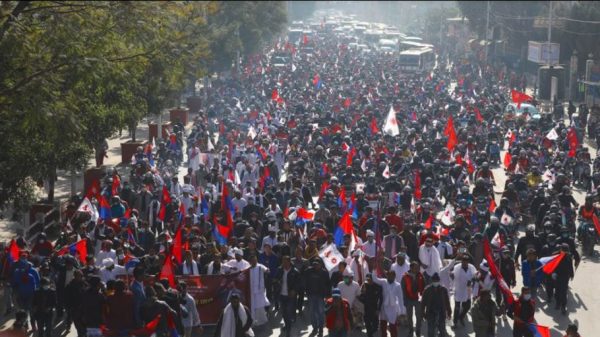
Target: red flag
x=147 y=329
x=429 y=221
x=573 y=142
x=492 y=207
x=374 y=129
x=418 y=185
x=167 y=271
x=13 y=251
x=478 y=115
x=458 y=159
x=507 y=159
x=79 y=248
x=487 y=254
x=549 y=263
x=275 y=94
x=93 y=190
x=286 y=213
x=221 y=128
x=324 y=187
x=342 y=199
x=451 y=133
x=177 y=248
x=538 y=330
x=347 y=103
x=596 y=222
x=305 y=39
x=166 y=199
x=351 y=154
x=520 y=97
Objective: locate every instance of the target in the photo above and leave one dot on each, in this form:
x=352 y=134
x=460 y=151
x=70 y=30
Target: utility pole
x=549 y=30
x=487 y=27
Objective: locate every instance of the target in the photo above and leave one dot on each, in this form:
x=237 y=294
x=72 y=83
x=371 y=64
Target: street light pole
x=549 y=31
x=487 y=27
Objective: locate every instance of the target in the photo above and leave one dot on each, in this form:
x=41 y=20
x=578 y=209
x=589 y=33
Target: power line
x=577 y=33
x=575 y=20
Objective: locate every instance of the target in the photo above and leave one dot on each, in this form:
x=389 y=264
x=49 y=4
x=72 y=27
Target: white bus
x=417 y=60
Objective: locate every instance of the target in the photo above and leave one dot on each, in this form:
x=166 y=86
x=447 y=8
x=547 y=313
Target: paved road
x=584 y=300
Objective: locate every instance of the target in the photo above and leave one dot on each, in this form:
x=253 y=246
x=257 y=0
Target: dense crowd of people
x=336 y=150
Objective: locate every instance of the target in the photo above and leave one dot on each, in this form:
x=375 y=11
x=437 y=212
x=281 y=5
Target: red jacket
x=330 y=314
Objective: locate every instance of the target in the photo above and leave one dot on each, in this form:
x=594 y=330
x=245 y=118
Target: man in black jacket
x=371 y=296
x=287 y=283
x=318 y=288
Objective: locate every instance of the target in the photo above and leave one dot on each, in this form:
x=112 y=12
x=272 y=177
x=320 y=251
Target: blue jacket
x=525 y=271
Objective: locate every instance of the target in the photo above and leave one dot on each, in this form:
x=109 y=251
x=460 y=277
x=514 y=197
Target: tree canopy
x=73 y=73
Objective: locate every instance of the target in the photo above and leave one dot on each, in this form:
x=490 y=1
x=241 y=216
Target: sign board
x=543 y=52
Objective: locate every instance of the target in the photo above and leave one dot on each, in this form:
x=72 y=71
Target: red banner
x=212 y=292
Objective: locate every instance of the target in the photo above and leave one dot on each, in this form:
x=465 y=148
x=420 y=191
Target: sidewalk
x=67 y=183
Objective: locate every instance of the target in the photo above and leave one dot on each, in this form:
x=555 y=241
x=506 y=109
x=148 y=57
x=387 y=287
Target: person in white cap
x=393 y=303
x=110 y=270
x=358 y=266
x=462 y=276
x=430 y=260
x=271 y=239
x=484 y=279
x=238 y=263
x=401 y=266
x=350 y=291
x=370 y=247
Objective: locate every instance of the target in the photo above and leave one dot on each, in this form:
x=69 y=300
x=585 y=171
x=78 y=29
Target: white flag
x=363 y=165
x=552 y=135
x=251 y=132
x=293 y=67
x=331 y=256
x=386 y=172
x=209 y=145
x=391 y=125
x=87 y=207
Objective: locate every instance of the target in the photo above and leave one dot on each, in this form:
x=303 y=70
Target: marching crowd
x=346 y=186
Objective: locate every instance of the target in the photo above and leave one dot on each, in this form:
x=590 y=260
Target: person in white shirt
x=430 y=260
x=370 y=247
x=192 y=319
x=106 y=252
x=483 y=280
x=189 y=266
x=110 y=271
x=350 y=291
x=358 y=266
x=238 y=202
x=401 y=266
x=462 y=276
x=238 y=264
x=176 y=188
x=215 y=267
x=272 y=238
x=393 y=301
x=258 y=292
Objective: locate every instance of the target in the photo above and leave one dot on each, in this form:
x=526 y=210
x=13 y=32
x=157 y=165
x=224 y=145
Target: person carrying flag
x=563 y=273
x=522 y=312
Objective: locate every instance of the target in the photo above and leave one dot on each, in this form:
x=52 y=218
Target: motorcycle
x=588 y=238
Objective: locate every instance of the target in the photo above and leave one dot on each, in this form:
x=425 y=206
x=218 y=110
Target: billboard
x=543 y=52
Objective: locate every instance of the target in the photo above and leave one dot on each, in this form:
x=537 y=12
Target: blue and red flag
x=352 y=206
x=171 y=327
x=204 y=207
x=79 y=247
x=538 y=330
x=342 y=200
x=220 y=232
x=131 y=237
x=181 y=212
x=165 y=200
x=104 y=212
x=266 y=174
x=317 y=81
x=261 y=152
x=344 y=227
x=303 y=215
x=13 y=252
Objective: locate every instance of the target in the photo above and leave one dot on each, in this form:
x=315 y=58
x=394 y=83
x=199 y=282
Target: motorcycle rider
x=530 y=240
